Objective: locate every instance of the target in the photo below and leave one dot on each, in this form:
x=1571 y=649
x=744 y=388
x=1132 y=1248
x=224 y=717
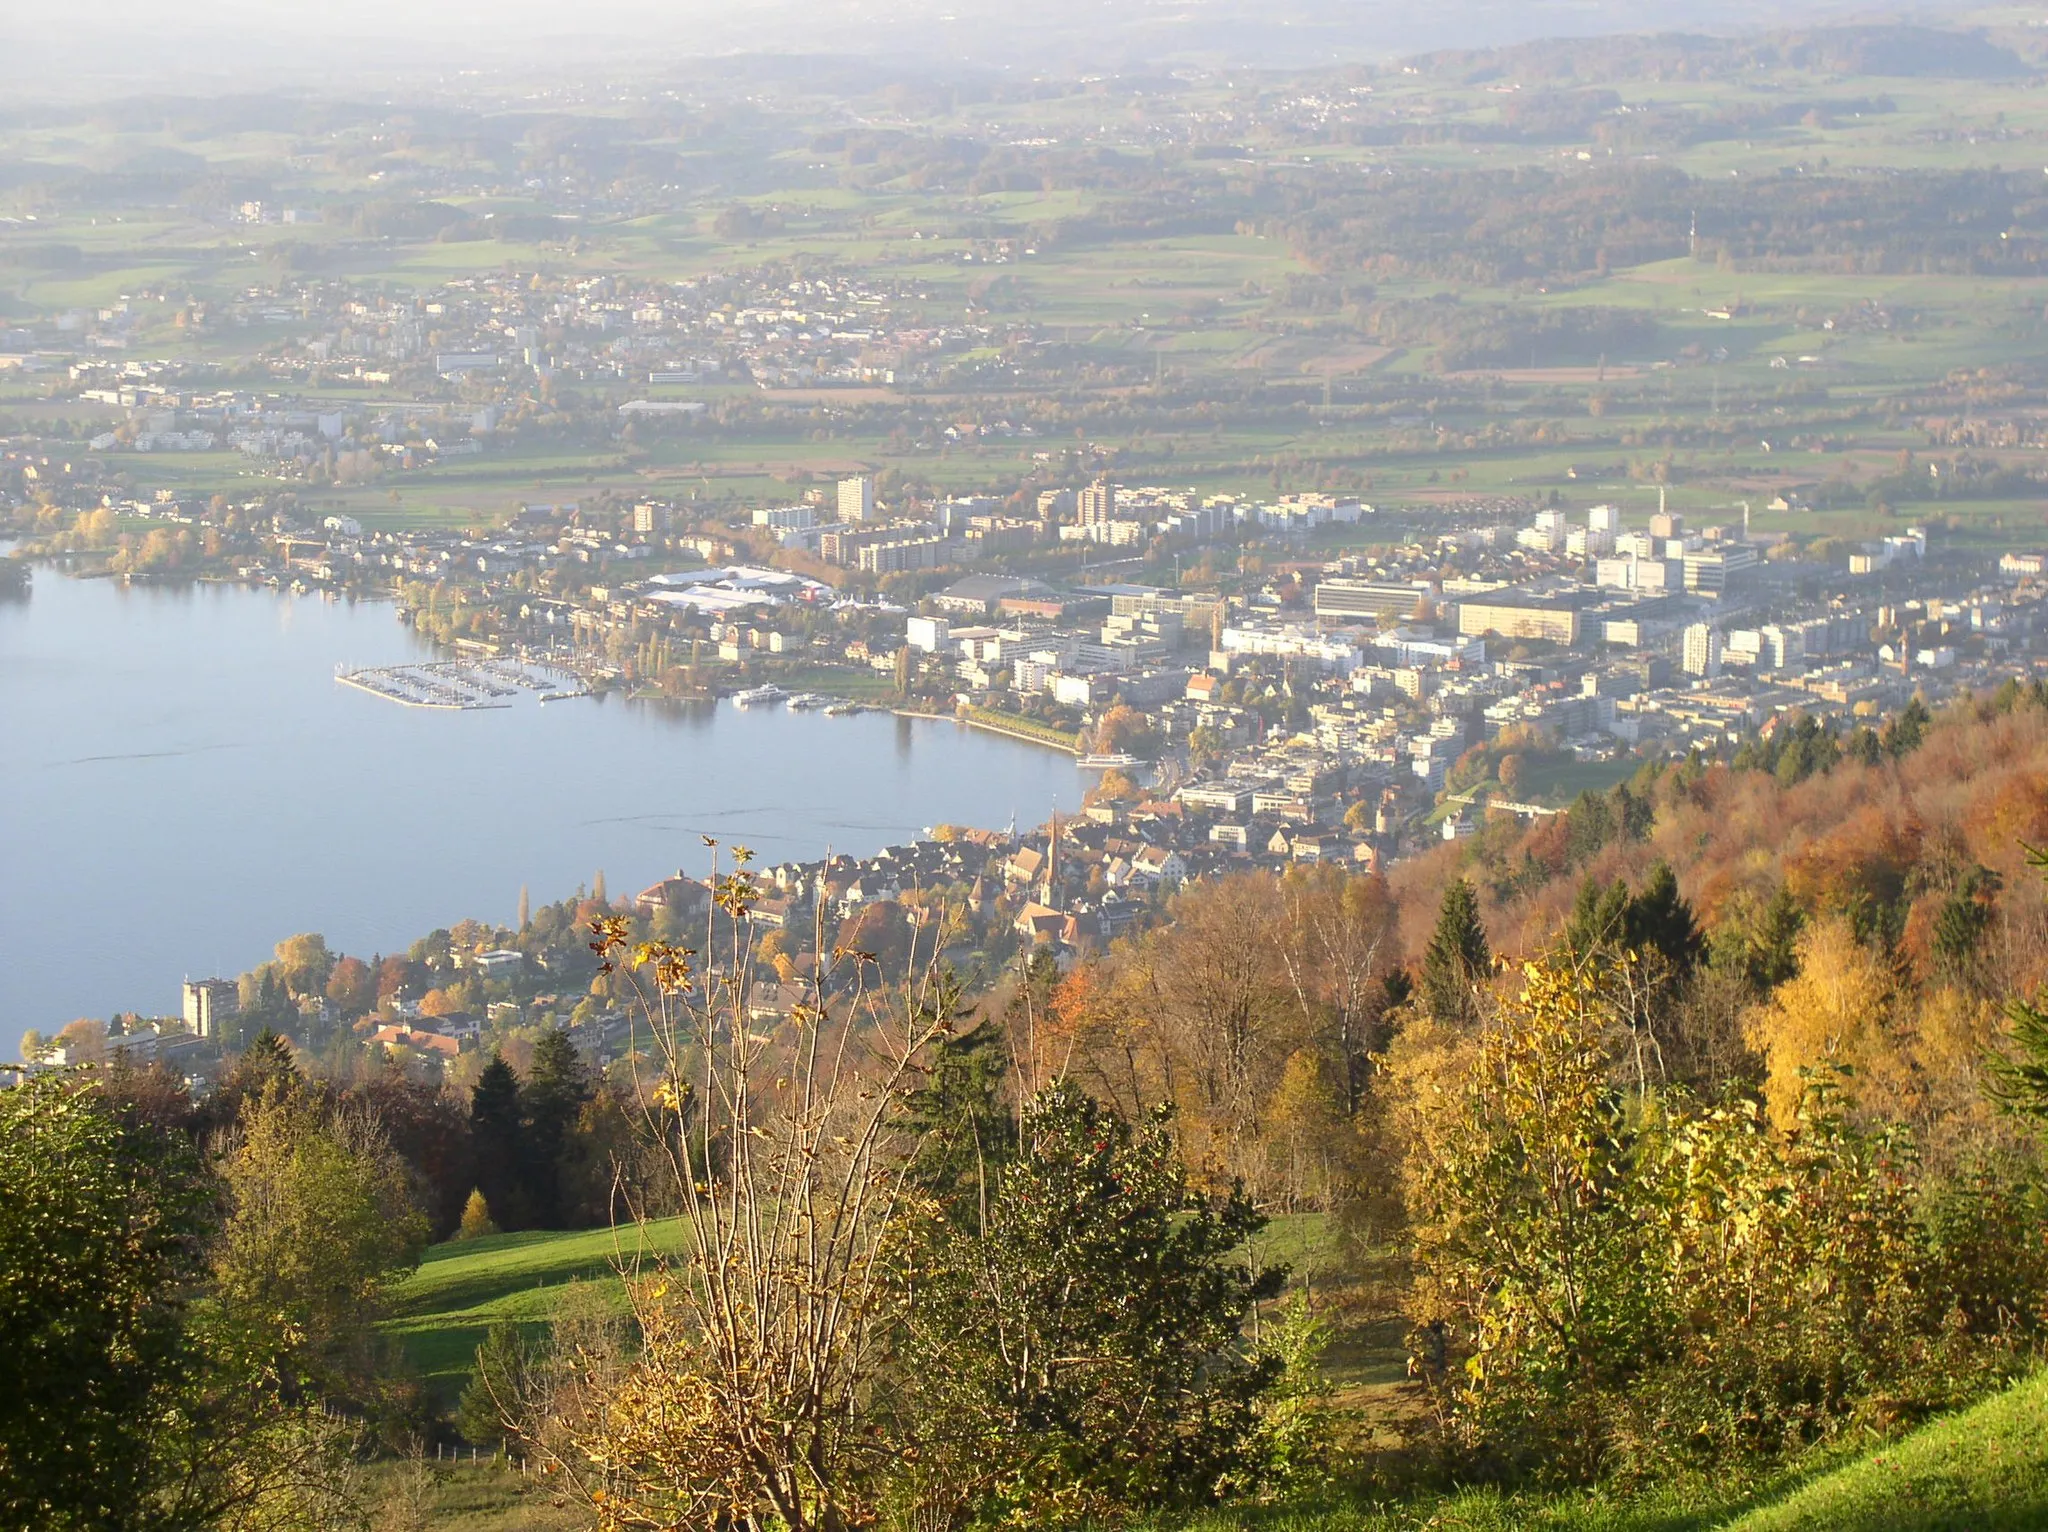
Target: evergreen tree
x=551 y=1102
x=498 y=1139
x=1902 y=736
x=1658 y=919
x=1084 y=1343
x=1765 y=950
x=1588 y=827
x=497 y=1386
x=1457 y=958
x=1632 y=813
x=265 y=1065
x=1963 y=921
x=964 y=1128
x=1597 y=928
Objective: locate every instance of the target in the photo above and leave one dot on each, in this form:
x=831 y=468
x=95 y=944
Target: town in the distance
x=1278 y=706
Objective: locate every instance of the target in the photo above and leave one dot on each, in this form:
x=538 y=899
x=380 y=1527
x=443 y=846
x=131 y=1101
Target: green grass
x=458 y=1496
x=1984 y=1469
x=442 y=1313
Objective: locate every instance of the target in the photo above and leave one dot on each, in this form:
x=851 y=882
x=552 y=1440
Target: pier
x=463 y=685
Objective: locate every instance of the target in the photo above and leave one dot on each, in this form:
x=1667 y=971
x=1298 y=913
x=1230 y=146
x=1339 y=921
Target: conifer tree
x=497 y=1387
x=476 y=1217
x=964 y=1127
x=1457 y=958
x=498 y=1139
x=1658 y=919
x=557 y=1086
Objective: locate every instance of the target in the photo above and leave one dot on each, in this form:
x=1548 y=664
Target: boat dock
x=463 y=685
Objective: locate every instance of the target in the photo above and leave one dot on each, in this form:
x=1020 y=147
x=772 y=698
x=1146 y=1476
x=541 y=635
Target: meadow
x=1983 y=1469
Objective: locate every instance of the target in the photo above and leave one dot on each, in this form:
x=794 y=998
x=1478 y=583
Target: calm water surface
x=183 y=782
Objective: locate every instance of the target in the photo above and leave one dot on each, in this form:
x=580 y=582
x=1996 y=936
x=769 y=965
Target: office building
x=1353 y=600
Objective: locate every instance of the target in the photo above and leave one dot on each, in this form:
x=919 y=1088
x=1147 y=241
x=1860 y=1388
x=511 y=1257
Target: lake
x=183 y=783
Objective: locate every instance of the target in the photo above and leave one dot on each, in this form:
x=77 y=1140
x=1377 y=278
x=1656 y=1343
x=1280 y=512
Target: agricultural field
x=1217 y=285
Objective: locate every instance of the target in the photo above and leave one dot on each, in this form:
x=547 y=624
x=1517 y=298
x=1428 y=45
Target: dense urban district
x=1539 y=558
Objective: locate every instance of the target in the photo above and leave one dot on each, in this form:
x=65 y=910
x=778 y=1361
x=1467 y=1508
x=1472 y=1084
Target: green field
x=442 y=1313
x=1985 y=1467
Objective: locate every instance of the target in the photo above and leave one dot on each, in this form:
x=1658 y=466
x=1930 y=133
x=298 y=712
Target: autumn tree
x=304 y=963
x=1340 y=933
x=476 y=1218
x=1225 y=1020
x=751 y=1394
x=320 y=1222
x=1841 y=1008
x=352 y=987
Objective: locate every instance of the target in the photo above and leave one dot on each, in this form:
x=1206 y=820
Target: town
x=1344 y=710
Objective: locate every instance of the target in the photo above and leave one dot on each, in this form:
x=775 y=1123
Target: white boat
x=841 y=709
x=804 y=701
x=760 y=696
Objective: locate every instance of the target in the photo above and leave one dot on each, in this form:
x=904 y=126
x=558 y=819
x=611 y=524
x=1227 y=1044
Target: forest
x=1691 y=1131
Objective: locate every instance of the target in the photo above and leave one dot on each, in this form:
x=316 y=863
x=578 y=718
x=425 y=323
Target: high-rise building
x=857 y=498
x=1702 y=655
x=209 y=1003
x=1098 y=503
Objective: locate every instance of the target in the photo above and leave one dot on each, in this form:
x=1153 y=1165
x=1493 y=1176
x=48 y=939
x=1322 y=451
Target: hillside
x=1984 y=1469
x=442 y=1313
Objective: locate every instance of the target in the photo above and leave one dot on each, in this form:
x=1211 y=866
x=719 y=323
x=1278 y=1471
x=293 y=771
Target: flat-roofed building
x=1349 y=599
x=209 y=1004
x=857 y=498
x=1520 y=617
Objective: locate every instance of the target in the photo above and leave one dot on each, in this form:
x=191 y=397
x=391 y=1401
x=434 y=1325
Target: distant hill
x=1897 y=51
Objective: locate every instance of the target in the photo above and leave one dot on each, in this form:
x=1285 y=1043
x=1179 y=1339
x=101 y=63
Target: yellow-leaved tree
x=1840 y=1008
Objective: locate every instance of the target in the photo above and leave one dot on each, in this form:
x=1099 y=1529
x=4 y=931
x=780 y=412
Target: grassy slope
x=1985 y=1467
x=462 y=1288
x=1982 y=1468
x=442 y=1313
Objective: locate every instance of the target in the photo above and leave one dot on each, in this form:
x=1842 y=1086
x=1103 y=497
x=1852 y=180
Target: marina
x=464 y=685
